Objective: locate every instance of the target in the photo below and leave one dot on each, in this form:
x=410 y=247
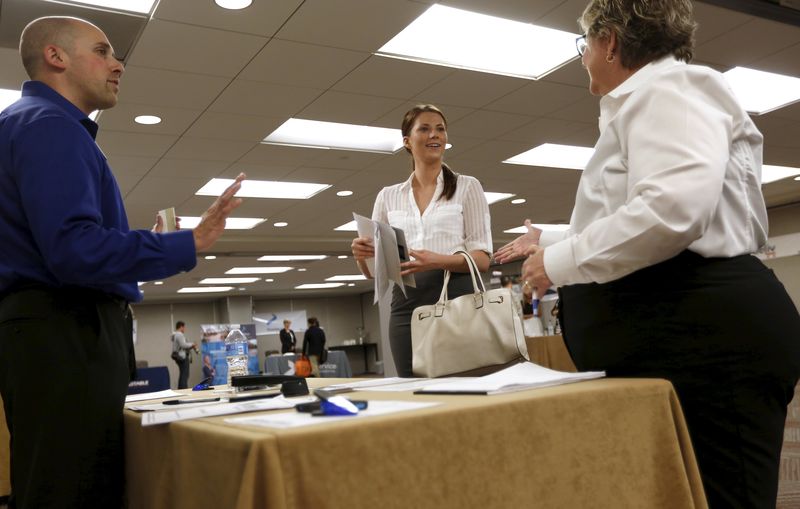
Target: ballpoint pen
x=187 y=401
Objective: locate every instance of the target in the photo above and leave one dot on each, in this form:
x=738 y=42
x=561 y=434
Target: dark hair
x=313 y=322
x=647 y=30
x=506 y=280
x=449 y=176
x=178 y=325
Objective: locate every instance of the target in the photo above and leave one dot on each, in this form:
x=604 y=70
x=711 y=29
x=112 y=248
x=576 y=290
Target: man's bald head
x=56 y=30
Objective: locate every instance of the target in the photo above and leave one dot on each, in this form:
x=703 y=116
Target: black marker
x=186 y=401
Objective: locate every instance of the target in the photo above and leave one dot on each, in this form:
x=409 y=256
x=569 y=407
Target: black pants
x=66 y=358
x=183 y=371
x=727 y=336
x=428 y=290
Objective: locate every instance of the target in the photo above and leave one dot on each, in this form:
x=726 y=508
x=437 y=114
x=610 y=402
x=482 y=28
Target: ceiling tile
x=322 y=66
x=187 y=48
x=391 y=77
x=470 y=89
x=198 y=168
x=173 y=120
x=265 y=99
x=370 y=24
x=754 y=40
x=486 y=124
x=231 y=126
x=538 y=98
x=160 y=87
x=786 y=62
x=118 y=143
x=714 y=21
x=348 y=108
x=131 y=165
x=209 y=149
x=261 y=18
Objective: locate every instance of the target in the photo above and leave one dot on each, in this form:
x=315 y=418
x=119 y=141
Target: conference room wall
x=784 y=221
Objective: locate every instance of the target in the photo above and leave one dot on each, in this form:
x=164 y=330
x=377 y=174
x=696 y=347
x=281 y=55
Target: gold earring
x=610 y=58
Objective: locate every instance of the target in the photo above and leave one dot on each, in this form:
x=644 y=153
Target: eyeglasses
x=581 y=44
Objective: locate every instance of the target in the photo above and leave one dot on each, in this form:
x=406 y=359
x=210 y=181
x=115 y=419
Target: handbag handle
x=477 y=282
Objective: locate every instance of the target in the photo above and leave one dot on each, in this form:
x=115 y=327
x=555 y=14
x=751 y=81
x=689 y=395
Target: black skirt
x=726 y=334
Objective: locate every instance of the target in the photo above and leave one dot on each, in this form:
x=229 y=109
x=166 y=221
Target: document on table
x=519 y=377
x=180 y=413
x=299 y=419
x=169 y=393
x=390 y=248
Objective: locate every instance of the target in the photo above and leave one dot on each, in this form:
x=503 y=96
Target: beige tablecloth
x=550 y=351
x=602 y=443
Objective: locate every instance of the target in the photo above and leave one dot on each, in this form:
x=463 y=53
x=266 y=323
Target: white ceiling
x=222 y=80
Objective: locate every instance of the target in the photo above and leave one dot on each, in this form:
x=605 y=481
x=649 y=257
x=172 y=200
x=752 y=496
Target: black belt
x=69 y=290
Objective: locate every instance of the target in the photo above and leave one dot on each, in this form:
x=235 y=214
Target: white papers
x=151 y=395
x=299 y=419
x=392 y=384
x=525 y=375
x=389 y=244
x=197 y=411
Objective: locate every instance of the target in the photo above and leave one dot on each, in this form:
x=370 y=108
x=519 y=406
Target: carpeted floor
x=789 y=487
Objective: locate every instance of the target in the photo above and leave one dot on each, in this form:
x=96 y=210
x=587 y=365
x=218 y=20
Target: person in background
x=314 y=345
x=288 y=339
x=181 y=348
x=209 y=372
x=440 y=212
x=656 y=274
x=69 y=266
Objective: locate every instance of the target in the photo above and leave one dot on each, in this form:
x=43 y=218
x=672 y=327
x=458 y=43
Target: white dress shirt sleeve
x=477 y=220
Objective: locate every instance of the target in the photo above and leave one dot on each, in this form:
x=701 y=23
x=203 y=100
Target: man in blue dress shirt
x=69 y=265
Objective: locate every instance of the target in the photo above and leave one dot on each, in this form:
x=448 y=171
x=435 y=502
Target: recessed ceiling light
x=280 y=224
x=232 y=223
x=771 y=173
x=210 y=257
x=269 y=280
x=797 y=178
x=140 y=6
x=258 y=270
x=290 y=258
x=761 y=92
x=241 y=288
x=205 y=289
x=496 y=197
x=342 y=257
x=233 y=4
x=317 y=286
x=347 y=227
x=264 y=189
x=298 y=132
x=351 y=284
x=483 y=43
x=301 y=269
x=554 y=156
x=228 y=280
x=158 y=283
x=344 y=193
x=147 y=119
x=346 y=277
x=518 y=201
x=140 y=283
x=546 y=227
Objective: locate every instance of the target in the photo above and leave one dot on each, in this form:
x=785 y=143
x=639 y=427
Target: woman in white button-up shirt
x=656 y=273
x=439 y=212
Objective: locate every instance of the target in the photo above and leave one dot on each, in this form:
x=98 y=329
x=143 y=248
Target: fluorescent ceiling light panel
x=228 y=280
x=258 y=270
x=347 y=227
x=231 y=223
x=544 y=227
x=318 y=286
x=297 y=132
x=290 y=258
x=264 y=189
x=140 y=6
x=496 y=197
x=761 y=92
x=469 y=40
x=354 y=277
x=554 y=156
x=205 y=289
x=770 y=173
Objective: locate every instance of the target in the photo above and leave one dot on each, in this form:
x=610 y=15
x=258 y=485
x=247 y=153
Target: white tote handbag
x=469 y=332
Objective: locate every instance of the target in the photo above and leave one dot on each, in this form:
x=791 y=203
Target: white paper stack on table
x=519 y=377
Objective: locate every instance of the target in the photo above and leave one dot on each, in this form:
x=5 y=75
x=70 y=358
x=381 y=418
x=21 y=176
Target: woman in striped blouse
x=440 y=212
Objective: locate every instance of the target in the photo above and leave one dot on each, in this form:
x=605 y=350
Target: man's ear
x=55 y=56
